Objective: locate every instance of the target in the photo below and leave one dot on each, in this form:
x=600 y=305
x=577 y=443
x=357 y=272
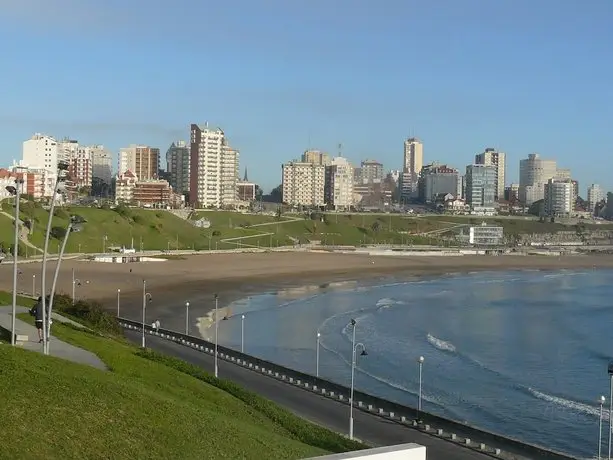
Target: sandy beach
x=238 y=275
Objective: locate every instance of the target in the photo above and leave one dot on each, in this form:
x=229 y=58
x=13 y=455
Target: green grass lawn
x=6 y=298
x=144 y=407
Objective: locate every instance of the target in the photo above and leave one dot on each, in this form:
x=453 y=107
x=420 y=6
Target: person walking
x=37 y=312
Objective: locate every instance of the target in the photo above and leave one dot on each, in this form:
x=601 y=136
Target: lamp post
x=610 y=372
x=118 y=294
x=317 y=355
x=14 y=190
x=421 y=365
x=216 y=327
x=146 y=296
x=33 y=285
x=354 y=347
x=186 y=318
x=242 y=333
x=57 y=188
x=602 y=401
x=75 y=281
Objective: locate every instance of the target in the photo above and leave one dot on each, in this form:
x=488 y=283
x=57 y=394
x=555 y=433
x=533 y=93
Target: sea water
x=520 y=353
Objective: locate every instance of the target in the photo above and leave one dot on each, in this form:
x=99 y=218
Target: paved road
x=333 y=415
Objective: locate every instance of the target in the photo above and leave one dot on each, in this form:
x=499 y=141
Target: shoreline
x=235 y=276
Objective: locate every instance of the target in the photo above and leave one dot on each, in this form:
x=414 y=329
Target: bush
x=61 y=214
x=58 y=232
x=301 y=430
x=138 y=219
x=92 y=314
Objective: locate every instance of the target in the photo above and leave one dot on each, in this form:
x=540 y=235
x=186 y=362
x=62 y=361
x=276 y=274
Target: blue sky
x=283 y=75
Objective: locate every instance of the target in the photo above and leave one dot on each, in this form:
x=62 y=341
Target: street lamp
x=355 y=347
x=58 y=187
x=146 y=296
x=14 y=190
x=602 y=400
x=317 y=355
x=242 y=333
x=118 y=294
x=421 y=365
x=186 y=318
x=75 y=282
x=610 y=372
x=216 y=327
x=33 y=285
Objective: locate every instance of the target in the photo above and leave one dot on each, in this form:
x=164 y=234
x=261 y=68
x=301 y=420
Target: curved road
x=333 y=415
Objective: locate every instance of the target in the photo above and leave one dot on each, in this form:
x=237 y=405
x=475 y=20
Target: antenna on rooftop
x=340 y=150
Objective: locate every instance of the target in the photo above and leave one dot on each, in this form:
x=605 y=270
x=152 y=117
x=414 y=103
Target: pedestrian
x=37 y=312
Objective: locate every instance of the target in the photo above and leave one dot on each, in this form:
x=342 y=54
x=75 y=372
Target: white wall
x=399 y=452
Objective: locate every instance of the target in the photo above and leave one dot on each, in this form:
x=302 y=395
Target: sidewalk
x=57 y=348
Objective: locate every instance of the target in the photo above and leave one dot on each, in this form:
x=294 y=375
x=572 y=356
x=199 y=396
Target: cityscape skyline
x=275 y=101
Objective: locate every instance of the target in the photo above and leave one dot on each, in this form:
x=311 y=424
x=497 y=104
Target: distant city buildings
x=102 y=164
x=594 y=196
x=534 y=172
x=481 y=188
x=142 y=160
x=492 y=157
x=369 y=172
x=178 y=166
x=559 y=197
x=437 y=179
x=303 y=183
x=338 y=186
x=413 y=161
x=206 y=155
x=316 y=157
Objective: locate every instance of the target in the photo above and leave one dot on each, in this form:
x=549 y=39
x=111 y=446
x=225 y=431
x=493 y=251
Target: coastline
x=234 y=276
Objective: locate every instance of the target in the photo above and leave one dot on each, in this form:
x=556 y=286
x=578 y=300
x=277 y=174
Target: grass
x=6 y=298
x=147 y=405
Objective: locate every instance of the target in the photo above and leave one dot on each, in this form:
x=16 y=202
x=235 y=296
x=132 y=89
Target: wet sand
x=232 y=276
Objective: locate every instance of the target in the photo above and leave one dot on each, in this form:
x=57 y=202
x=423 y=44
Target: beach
x=236 y=275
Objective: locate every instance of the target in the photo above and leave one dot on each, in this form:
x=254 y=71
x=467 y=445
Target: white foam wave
x=569 y=404
x=441 y=344
x=386 y=302
x=426 y=397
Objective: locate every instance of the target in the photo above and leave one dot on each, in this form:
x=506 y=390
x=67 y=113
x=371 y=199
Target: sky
x=282 y=76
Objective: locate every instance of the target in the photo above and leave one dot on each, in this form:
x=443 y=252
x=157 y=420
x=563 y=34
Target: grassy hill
x=146 y=406
x=161 y=230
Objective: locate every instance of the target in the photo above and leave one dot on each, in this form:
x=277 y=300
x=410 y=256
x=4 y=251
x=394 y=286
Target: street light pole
x=610 y=372
x=54 y=283
x=16 y=191
x=33 y=285
x=145 y=296
x=602 y=401
x=216 y=328
x=74 y=282
x=242 y=333
x=421 y=365
x=354 y=350
x=317 y=355
x=118 y=294
x=186 y=318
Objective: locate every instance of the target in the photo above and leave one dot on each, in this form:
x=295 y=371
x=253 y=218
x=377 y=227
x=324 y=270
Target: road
x=369 y=428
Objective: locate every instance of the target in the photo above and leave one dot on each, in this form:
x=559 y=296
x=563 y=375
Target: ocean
x=520 y=353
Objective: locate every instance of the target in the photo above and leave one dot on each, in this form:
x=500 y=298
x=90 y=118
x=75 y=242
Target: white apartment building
x=229 y=176
x=316 y=157
x=412 y=164
x=80 y=167
x=338 y=188
x=206 y=155
x=492 y=157
x=67 y=149
x=559 y=197
x=303 y=183
x=102 y=161
x=594 y=196
x=534 y=172
x=40 y=152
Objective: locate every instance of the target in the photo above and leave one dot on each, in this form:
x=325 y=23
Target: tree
x=376 y=226
x=58 y=233
x=275 y=196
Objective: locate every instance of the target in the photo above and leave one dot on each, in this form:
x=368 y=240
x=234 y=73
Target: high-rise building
x=437 y=179
x=559 y=197
x=213 y=168
x=142 y=160
x=303 y=183
x=67 y=149
x=413 y=162
x=594 y=196
x=40 y=152
x=481 y=187
x=317 y=157
x=371 y=172
x=511 y=193
x=229 y=175
x=177 y=165
x=102 y=161
x=80 y=167
x=534 y=172
x=338 y=188
x=492 y=157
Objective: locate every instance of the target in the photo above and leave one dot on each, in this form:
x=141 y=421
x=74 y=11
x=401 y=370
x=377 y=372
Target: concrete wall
x=400 y=452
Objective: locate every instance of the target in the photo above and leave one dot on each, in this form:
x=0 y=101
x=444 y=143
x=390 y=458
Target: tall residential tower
x=492 y=157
